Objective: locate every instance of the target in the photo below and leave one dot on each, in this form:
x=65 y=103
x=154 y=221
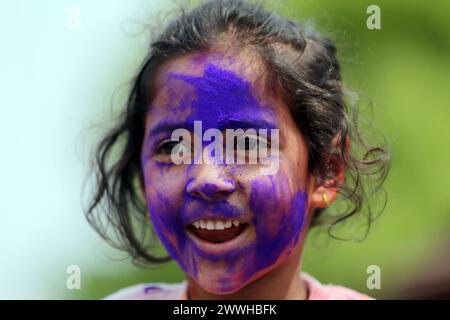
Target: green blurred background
x=66 y=67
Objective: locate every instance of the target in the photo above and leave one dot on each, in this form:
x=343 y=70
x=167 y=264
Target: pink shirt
x=177 y=291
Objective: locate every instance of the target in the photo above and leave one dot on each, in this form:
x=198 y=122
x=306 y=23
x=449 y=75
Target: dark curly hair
x=304 y=68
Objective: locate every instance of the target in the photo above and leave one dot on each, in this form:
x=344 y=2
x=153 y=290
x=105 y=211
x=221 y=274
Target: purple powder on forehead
x=221 y=95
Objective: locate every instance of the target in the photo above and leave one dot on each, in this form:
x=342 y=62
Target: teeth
x=215 y=224
x=220 y=225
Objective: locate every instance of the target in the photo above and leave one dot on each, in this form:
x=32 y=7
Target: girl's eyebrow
x=255 y=123
x=166 y=126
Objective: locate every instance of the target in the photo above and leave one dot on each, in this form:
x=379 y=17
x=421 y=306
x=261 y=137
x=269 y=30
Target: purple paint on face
x=221 y=100
x=277 y=225
x=222 y=97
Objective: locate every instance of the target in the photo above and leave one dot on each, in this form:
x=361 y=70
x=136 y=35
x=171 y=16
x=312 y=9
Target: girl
x=236 y=231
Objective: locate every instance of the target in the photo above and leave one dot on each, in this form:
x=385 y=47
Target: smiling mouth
x=217 y=231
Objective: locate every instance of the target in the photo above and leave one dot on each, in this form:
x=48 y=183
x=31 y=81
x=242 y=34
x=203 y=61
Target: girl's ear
x=325 y=192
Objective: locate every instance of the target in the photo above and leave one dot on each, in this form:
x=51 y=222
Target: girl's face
x=251 y=221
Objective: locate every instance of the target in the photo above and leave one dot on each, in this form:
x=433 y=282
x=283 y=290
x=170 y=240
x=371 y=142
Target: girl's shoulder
x=319 y=291
x=151 y=291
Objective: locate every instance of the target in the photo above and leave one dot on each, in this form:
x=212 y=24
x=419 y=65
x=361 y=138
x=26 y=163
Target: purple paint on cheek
x=278 y=221
x=166 y=221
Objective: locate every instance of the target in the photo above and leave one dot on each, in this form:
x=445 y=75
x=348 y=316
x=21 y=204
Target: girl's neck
x=281 y=283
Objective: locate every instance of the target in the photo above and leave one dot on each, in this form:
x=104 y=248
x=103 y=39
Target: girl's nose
x=209 y=185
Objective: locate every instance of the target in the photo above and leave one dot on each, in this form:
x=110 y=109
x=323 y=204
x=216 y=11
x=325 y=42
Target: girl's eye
x=250 y=142
x=169 y=147
x=246 y=143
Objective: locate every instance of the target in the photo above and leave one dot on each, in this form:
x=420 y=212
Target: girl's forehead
x=243 y=63
x=228 y=81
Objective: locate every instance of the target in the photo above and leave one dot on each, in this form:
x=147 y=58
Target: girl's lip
x=221 y=247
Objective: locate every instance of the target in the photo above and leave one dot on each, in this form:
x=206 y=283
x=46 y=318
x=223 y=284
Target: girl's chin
x=225 y=284
x=216 y=280
x=218 y=287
